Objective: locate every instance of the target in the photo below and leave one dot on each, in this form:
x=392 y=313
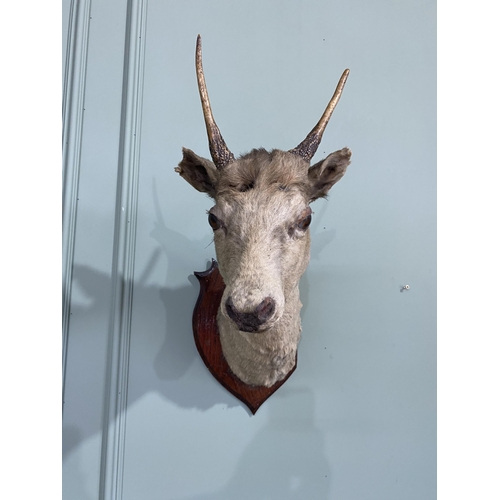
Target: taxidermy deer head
x=261 y=221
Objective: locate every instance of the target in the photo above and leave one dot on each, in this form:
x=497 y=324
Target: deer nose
x=250 y=321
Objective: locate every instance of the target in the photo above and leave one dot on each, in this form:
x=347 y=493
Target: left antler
x=307 y=148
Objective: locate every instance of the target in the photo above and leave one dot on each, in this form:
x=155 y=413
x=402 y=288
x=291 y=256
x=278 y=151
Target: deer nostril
x=231 y=311
x=265 y=309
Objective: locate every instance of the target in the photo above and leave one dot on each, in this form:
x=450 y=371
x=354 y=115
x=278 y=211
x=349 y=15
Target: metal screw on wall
x=405 y=287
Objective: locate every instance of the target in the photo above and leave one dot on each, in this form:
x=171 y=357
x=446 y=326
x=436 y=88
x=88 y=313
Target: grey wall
x=143 y=418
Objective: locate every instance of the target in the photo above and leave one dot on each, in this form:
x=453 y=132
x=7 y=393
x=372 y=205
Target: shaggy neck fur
x=267 y=357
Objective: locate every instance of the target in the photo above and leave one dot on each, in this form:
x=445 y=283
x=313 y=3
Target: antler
x=218 y=149
x=309 y=145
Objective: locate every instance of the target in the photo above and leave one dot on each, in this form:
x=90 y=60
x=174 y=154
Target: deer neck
x=267 y=357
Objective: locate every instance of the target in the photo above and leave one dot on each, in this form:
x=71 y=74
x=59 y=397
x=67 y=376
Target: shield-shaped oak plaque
x=206 y=336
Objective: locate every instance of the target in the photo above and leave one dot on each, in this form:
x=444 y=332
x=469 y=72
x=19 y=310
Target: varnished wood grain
x=206 y=336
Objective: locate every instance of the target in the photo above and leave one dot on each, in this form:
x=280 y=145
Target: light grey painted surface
x=143 y=417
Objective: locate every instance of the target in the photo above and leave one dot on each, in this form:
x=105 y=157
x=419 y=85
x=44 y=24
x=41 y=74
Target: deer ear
x=199 y=172
x=324 y=174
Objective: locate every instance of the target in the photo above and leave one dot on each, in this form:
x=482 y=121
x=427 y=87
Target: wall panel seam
x=73 y=116
x=115 y=405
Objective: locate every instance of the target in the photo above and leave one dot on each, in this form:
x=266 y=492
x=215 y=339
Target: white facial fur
x=261 y=253
x=260 y=250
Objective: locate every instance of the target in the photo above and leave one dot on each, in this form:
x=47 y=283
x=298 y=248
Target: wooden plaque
x=206 y=336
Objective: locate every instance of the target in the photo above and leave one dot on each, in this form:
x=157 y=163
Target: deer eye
x=305 y=222
x=214 y=222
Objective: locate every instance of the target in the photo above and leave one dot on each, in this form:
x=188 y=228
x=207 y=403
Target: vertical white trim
x=73 y=111
x=113 y=438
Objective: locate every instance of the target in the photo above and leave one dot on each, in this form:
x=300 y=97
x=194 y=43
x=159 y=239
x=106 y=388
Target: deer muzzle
x=251 y=321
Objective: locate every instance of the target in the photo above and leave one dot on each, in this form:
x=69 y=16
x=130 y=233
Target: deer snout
x=251 y=321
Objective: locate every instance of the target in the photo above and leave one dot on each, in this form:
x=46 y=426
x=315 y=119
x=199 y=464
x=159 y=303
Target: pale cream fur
x=261 y=249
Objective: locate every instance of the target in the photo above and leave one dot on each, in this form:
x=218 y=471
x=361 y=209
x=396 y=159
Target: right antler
x=218 y=149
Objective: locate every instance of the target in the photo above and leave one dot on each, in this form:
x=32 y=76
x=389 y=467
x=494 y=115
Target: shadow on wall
x=163 y=353
x=164 y=356
x=165 y=320
x=286 y=458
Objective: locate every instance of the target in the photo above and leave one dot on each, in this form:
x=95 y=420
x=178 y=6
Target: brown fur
x=260 y=169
